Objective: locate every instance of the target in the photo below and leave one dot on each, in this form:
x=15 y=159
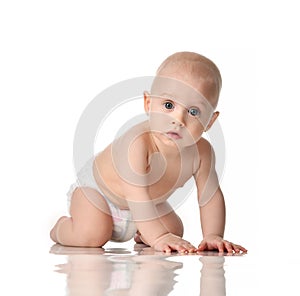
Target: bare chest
x=171 y=174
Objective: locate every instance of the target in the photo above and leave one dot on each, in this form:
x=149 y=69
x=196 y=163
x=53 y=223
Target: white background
x=56 y=56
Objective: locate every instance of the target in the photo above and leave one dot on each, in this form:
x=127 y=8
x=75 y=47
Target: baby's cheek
x=197 y=132
x=159 y=122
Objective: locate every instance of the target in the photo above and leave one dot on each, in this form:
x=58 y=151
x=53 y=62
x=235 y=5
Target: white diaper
x=123 y=227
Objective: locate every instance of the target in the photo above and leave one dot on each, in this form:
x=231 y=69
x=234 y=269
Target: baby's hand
x=170 y=242
x=215 y=242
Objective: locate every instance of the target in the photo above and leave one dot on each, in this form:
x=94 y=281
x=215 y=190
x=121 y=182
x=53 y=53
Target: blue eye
x=169 y=105
x=194 y=111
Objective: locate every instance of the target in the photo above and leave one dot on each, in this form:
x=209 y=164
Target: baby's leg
x=88 y=226
x=169 y=219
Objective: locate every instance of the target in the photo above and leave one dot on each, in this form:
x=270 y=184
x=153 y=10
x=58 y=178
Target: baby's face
x=178 y=113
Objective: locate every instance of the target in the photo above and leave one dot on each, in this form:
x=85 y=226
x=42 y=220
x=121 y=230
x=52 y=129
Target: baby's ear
x=212 y=120
x=147 y=101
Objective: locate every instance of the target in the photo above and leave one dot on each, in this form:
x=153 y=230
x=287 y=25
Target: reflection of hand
x=170 y=242
x=215 y=242
x=212 y=280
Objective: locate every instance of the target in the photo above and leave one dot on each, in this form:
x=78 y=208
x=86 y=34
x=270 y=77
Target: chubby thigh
x=91 y=222
x=123 y=227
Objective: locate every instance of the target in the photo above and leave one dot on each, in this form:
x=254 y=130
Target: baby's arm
x=213 y=225
x=211 y=204
x=153 y=231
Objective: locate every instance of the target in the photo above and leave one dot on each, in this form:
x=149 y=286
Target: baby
x=122 y=192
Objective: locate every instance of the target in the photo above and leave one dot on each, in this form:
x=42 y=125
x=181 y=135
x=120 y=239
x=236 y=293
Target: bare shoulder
x=136 y=147
x=206 y=155
x=205 y=149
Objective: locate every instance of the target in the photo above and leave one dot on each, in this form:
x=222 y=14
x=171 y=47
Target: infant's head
x=184 y=95
x=194 y=70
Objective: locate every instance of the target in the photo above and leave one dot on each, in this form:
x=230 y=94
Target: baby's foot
x=137 y=238
x=54 y=229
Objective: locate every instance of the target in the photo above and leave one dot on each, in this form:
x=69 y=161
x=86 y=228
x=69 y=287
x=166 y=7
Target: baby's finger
x=172 y=246
x=180 y=249
x=202 y=246
x=238 y=248
x=189 y=247
x=220 y=246
x=167 y=249
x=228 y=247
x=192 y=250
x=243 y=249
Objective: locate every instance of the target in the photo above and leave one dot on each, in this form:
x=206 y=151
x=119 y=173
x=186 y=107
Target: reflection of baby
x=123 y=191
x=119 y=275
x=212 y=281
x=142 y=268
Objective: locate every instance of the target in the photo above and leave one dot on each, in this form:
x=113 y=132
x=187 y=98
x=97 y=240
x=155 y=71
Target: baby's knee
x=170 y=219
x=178 y=228
x=92 y=238
x=173 y=224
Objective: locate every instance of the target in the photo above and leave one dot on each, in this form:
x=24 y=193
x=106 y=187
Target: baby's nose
x=179 y=118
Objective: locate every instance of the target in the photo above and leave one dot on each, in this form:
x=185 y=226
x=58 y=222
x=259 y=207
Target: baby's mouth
x=174 y=135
